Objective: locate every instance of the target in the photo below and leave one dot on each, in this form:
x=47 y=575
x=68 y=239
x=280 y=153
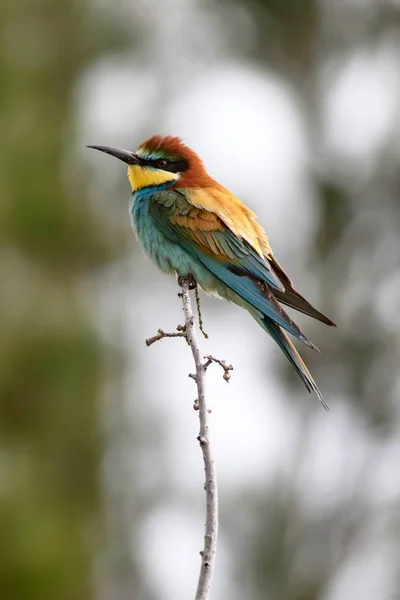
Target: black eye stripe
x=173 y=166
x=176 y=166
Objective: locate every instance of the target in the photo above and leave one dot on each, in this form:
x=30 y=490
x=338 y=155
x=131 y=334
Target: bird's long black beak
x=125 y=155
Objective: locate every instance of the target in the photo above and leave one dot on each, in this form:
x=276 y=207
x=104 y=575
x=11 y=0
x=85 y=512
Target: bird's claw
x=188 y=279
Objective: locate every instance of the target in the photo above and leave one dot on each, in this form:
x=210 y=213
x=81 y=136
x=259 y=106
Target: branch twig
x=211 y=530
x=226 y=368
x=180 y=332
x=196 y=293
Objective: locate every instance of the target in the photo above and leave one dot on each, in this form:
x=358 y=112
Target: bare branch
x=188 y=332
x=211 y=533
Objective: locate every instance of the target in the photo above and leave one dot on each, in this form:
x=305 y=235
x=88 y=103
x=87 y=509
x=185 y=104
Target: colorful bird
x=189 y=224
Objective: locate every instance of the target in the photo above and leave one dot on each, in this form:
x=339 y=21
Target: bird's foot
x=189 y=279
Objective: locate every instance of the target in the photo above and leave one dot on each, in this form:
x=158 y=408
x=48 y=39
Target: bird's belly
x=168 y=256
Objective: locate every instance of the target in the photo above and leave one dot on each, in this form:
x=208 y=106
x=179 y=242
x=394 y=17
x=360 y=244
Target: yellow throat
x=142 y=177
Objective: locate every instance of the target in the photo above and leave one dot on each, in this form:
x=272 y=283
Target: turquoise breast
x=167 y=255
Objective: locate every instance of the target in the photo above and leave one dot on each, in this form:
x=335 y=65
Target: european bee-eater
x=189 y=224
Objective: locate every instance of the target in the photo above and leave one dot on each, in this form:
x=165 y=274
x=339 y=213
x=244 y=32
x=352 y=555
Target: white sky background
x=248 y=127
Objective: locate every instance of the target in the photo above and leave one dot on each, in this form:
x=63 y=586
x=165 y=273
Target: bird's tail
x=292 y=355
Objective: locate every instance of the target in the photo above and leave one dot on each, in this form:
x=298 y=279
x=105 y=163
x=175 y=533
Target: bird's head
x=161 y=162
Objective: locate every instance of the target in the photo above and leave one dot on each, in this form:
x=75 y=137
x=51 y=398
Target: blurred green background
x=71 y=525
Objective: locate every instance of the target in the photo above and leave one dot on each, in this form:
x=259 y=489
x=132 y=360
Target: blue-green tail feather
x=292 y=355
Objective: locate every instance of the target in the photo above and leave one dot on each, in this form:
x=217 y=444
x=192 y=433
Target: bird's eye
x=161 y=163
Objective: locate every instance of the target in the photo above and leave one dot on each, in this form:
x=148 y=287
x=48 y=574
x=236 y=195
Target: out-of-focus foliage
x=51 y=357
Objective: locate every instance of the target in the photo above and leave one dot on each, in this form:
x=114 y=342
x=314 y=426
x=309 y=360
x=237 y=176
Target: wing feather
x=237 y=216
x=291 y=297
x=229 y=258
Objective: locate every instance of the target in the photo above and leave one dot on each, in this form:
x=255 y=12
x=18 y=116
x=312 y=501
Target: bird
x=190 y=225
